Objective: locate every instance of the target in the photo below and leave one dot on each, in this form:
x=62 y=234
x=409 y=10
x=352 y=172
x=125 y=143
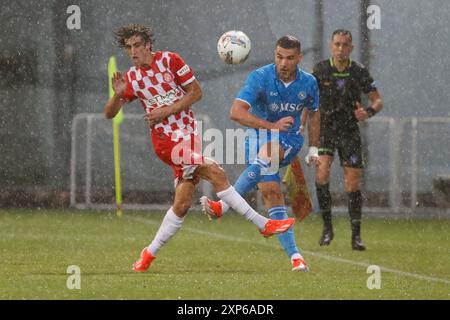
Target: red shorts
x=183 y=156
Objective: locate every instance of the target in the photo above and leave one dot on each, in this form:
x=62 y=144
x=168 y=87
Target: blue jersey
x=271 y=100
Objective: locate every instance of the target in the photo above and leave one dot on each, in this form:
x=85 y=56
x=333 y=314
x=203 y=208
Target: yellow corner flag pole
x=112 y=68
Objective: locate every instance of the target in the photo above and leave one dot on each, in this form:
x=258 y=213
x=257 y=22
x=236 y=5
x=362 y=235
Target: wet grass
x=224 y=259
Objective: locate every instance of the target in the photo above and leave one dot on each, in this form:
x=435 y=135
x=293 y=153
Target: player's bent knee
x=212 y=172
x=219 y=178
x=216 y=171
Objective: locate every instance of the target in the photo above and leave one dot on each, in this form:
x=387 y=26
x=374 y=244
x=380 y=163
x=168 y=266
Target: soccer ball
x=234 y=47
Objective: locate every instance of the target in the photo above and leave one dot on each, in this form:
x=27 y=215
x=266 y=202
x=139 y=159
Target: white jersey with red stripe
x=161 y=84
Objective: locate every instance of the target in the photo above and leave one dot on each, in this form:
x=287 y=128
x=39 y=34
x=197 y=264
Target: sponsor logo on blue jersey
x=285 y=107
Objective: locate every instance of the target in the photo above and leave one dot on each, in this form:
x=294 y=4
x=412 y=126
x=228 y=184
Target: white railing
x=396 y=138
x=414 y=166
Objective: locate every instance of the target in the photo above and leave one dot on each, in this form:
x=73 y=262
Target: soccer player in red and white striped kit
x=167 y=88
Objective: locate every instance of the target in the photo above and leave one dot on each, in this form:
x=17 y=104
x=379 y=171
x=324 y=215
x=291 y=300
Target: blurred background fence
x=50 y=73
x=396 y=180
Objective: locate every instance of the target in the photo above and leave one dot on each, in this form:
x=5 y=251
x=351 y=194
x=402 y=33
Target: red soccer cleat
x=144 y=262
x=213 y=209
x=277 y=226
x=298 y=264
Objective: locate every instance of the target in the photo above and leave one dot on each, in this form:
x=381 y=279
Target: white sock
x=296 y=256
x=169 y=226
x=225 y=206
x=235 y=201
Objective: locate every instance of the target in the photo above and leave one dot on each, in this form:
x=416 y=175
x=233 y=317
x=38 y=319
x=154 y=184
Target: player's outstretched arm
x=116 y=102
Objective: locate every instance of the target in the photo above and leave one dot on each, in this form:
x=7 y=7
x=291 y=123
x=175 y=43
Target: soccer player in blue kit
x=270 y=104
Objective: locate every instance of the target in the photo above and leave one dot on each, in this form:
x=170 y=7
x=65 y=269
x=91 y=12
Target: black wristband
x=370 y=111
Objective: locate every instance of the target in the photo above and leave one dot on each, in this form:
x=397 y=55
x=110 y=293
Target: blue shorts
x=291 y=144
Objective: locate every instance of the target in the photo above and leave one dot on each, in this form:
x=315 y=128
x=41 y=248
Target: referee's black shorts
x=346 y=141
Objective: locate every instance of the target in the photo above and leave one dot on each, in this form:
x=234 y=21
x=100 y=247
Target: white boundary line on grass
x=316 y=254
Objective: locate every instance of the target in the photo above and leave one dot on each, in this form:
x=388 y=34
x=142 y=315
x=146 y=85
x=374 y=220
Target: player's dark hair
x=342 y=32
x=289 y=42
x=122 y=34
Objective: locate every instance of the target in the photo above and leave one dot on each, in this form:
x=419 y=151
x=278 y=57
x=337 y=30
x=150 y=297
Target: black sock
x=324 y=198
x=354 y=210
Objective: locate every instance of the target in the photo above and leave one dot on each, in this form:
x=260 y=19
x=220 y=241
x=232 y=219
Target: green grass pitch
x=222 y=259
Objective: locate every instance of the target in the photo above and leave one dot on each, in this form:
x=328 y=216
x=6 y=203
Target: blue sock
x=250 y=177
x=287 y=239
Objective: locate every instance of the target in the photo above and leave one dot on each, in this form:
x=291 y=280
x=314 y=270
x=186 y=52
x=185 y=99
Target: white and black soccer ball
x=234 y=47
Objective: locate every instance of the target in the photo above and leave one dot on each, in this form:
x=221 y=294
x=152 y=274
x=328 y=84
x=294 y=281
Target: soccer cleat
x=326 y=238
x=299 y=264
x=213 y=209
x=357 y=243
x=144 y=261
x=277 y=226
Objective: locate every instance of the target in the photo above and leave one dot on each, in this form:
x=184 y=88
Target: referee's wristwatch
x=370 y=111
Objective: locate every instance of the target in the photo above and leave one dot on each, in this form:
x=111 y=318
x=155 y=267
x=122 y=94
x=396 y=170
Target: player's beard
x=285 y=74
